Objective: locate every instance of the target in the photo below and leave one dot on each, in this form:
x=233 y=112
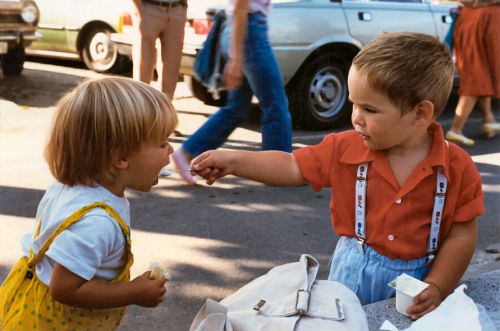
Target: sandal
x=490 y=129
x=459 y=138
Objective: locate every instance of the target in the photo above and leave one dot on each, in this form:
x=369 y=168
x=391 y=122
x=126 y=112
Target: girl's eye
x=369 y=110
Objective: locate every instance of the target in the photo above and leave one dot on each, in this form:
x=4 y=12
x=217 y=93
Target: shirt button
x=398 y=201
x=390 y=237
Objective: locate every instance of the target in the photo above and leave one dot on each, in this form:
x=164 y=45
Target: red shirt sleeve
x=315 y=162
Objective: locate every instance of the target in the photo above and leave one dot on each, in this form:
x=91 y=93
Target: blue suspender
x=360 y=207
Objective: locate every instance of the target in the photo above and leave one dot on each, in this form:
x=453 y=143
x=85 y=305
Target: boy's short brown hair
x=102 y=120
x=409 y=68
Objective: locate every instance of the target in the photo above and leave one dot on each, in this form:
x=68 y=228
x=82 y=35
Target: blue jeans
x=368 y=274
x=262 y=78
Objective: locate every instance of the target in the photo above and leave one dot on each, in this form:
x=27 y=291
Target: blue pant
x=368 y=274
x=262 y=78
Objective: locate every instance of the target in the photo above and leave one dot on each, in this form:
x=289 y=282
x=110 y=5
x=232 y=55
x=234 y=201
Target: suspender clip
x=361 y=245
x=430 y=259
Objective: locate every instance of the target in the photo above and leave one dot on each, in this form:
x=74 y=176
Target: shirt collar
x=358 y=153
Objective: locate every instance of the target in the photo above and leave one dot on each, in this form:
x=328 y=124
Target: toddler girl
x=108 y=134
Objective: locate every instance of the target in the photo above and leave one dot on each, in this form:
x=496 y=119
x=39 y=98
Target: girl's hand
x=149 y=292
x=428 y=300
x=212 y=165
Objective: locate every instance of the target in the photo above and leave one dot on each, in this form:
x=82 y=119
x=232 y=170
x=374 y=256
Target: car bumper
x=123 y=45
x=14 y=39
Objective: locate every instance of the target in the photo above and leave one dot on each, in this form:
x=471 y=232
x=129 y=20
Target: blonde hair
x=100 y=120
x=409 y=68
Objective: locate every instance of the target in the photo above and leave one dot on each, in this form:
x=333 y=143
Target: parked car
x=80 y=30
x=314 y=42
x=18 y=23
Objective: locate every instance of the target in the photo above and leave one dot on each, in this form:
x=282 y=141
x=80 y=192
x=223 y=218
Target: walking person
x=251 y=69
x=163 y=19
x=477 y=51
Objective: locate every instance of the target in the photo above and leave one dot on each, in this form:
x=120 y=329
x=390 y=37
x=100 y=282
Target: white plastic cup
x=407 y=288
x=403 y=301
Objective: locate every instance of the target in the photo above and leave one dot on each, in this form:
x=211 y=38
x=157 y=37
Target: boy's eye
x=369 y=110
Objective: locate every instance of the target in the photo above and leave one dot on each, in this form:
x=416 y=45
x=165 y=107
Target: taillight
x=201 y=26
x=125 y=20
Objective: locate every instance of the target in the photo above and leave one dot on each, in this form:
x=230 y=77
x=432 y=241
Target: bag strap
x=211 y=317
x=73 y=218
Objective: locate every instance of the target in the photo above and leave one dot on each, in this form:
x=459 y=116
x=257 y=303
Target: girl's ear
x=121 y=164
x=424 y=112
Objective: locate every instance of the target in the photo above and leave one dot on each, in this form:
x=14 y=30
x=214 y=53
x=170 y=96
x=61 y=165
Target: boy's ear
x=424 y=112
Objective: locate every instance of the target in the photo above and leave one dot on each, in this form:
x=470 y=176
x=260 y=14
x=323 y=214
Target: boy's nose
x=355 y=116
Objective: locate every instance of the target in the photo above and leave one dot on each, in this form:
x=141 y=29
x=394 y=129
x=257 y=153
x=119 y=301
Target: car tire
x=200 y=92
x=13 y=61
x=318 y=94
x=100 y=54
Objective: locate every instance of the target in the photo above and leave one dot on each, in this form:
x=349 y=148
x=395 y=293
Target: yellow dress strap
x=73 y=218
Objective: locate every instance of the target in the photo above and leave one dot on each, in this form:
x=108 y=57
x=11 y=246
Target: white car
x=80 y=30
x=314 y=42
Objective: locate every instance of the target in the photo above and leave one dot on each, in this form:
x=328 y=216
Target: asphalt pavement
x=212 y=239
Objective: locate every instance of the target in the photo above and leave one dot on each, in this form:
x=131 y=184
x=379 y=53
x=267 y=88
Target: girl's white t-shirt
x=263 y=6
x=91 y=247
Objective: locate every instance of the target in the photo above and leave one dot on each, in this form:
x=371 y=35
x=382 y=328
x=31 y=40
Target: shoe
x=182 y=164
x=459 y=138
x=490 y=129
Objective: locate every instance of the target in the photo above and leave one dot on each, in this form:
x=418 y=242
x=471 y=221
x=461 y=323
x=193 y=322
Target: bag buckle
x=302 y=301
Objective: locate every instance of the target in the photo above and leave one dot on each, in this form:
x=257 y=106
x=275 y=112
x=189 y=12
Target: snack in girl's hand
x=157 y=272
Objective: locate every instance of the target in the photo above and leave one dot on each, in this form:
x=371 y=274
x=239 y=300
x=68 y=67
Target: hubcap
x=327 y=93
x=101 y=51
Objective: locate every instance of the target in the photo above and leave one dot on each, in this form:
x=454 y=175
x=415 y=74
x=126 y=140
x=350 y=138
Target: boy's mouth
x=364 y=136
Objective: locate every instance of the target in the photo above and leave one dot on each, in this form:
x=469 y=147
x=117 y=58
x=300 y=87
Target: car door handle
x=446 y=19
x=364 y=16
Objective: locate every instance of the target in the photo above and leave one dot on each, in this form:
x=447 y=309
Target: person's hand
x=149 y=292
x=233 y=73
x=212 y=165
x=425 y=302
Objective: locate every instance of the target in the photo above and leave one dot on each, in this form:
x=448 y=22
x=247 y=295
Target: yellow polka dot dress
x=26 y=304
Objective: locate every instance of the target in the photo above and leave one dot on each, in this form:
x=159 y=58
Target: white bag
x=287 y=298
x=457 y=312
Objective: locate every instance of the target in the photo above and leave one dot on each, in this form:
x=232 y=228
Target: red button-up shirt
x=397 y=218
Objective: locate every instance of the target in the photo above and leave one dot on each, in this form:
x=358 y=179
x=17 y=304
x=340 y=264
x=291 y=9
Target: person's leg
x=462 y=112
x=220 y=125
x=143 y=50
x=490 y=126
x=171 y=39
x=264 y=77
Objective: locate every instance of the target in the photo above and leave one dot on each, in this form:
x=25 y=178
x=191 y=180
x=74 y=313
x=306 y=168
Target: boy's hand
x=149 y=292
x=212 y=165
x=428 y=300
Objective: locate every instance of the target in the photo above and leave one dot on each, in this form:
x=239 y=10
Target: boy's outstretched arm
x=450 y=264
x=268 y=167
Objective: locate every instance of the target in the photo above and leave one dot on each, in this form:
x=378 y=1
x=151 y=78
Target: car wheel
x=318 y=95
x=100 y=54
x=13 y=61
x=200 y=92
